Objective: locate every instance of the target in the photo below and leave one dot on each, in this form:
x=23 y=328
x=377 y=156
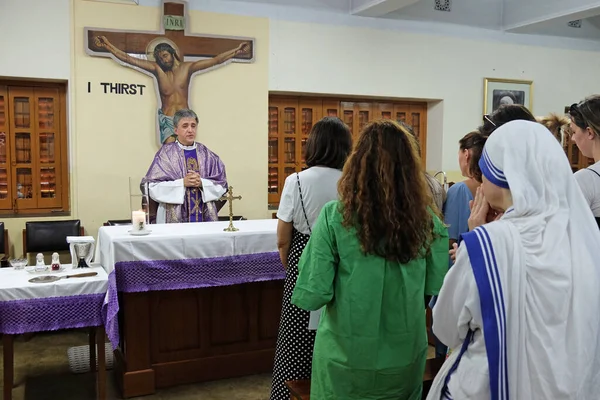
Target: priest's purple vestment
x=165 y=180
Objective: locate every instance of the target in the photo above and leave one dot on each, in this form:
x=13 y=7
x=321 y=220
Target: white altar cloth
x=185 y=241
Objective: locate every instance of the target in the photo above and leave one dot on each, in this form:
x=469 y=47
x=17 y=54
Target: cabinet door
x=273 y=189
x=5 y=176
x=48 y=172
x=289 y=137
x=24 y=147
x=363 y=115
x=347 y=115
x=310 y=113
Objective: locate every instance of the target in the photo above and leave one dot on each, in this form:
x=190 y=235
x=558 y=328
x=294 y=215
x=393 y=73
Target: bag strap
x=302 y=202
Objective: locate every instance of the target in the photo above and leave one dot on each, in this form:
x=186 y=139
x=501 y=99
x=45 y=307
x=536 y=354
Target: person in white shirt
x=304 y=195
x=585 y=132
x=185 y=178
x=520 y=306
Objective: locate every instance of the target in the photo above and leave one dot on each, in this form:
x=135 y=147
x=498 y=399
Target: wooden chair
x=4 y=245
x=117 y=222
x=300 y=390
x=49 y=236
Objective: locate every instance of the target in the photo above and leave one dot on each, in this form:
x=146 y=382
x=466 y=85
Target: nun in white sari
x=521 y=306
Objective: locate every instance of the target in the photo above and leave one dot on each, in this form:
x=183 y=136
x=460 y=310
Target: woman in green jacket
x=372 y=258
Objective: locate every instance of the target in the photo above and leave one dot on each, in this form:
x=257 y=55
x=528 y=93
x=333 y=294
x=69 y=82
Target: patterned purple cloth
x=51 y=313
x=144 y=276
x=170 y=164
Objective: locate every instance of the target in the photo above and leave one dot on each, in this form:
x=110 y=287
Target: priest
x=185 y=178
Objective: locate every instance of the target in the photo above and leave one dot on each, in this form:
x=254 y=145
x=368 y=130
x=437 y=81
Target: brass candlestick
x=230 y=197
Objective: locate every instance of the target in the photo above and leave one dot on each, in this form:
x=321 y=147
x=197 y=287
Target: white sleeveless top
x=318 y=185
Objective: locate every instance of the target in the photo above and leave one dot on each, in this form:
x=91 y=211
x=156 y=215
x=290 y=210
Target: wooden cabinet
x=290 y=122
x=33 y=169
x=292 y=118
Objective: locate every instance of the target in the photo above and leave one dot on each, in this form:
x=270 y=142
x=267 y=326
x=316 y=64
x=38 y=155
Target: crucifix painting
x=171 y=56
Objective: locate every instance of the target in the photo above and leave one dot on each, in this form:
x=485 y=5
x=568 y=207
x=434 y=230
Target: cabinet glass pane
x=273 y=180
x=290 y=150
x=22 y=112
x=304 y=140
x=273 y=121
x=363 y=119
x=386 y=115
x=348 y=118
x=289 y=121
x=23 y=148
x=48 y=183
x=287 y=171
x=2 y=110
x=2 y=147
x=331 y=112
x=3 y=183
x=400 y=117
x=46 y=113
x=416 y=124
x=24 y=183
x=307 y=119
x=574 y=154
x=273 y=150
x=47 y=148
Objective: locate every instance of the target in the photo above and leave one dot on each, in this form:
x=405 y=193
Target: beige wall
x=113 y=137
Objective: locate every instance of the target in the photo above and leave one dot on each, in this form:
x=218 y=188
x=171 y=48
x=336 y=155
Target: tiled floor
x=42 y=373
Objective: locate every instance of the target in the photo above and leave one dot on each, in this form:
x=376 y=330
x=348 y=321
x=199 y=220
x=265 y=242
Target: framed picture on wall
x=497 y=92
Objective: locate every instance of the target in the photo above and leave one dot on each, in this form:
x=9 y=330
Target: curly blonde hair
x=384 y=194
x=555 y=124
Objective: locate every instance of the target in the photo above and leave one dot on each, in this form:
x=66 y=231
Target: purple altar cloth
x=155 y=275
x=50 y=313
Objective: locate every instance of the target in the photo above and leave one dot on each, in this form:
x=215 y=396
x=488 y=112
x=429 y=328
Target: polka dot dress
x=293 y=356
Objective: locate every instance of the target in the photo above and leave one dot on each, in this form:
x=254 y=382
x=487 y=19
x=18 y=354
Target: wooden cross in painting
x=163 y=55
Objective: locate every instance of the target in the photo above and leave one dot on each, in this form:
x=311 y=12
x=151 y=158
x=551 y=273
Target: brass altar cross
x=230 y=197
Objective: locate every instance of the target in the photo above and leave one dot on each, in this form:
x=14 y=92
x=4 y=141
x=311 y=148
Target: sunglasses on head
x=487 y=118
x=577 y=116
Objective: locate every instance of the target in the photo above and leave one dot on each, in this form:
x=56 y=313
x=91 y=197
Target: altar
x=190 y=302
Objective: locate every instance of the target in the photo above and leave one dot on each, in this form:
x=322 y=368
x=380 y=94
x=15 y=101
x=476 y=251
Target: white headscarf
x=538 y=272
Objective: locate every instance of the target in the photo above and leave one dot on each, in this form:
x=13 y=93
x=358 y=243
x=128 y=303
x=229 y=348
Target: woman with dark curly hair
x=372 y=258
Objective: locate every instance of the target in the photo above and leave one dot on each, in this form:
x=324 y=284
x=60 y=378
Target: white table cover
x=63 y=304
x=15 y=285
x=185 y=241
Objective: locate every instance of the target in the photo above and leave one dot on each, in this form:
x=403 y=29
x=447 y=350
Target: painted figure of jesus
x=172 y=74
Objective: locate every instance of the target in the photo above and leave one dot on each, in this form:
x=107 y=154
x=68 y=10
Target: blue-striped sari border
x=491 y=297
x=491 y=172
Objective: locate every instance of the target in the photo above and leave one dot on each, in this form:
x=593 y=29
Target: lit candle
x=138 y=218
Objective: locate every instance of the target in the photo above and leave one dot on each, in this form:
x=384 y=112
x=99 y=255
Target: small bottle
x=55 y=262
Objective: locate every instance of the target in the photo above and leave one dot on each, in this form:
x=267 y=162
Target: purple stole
x=194 y=197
